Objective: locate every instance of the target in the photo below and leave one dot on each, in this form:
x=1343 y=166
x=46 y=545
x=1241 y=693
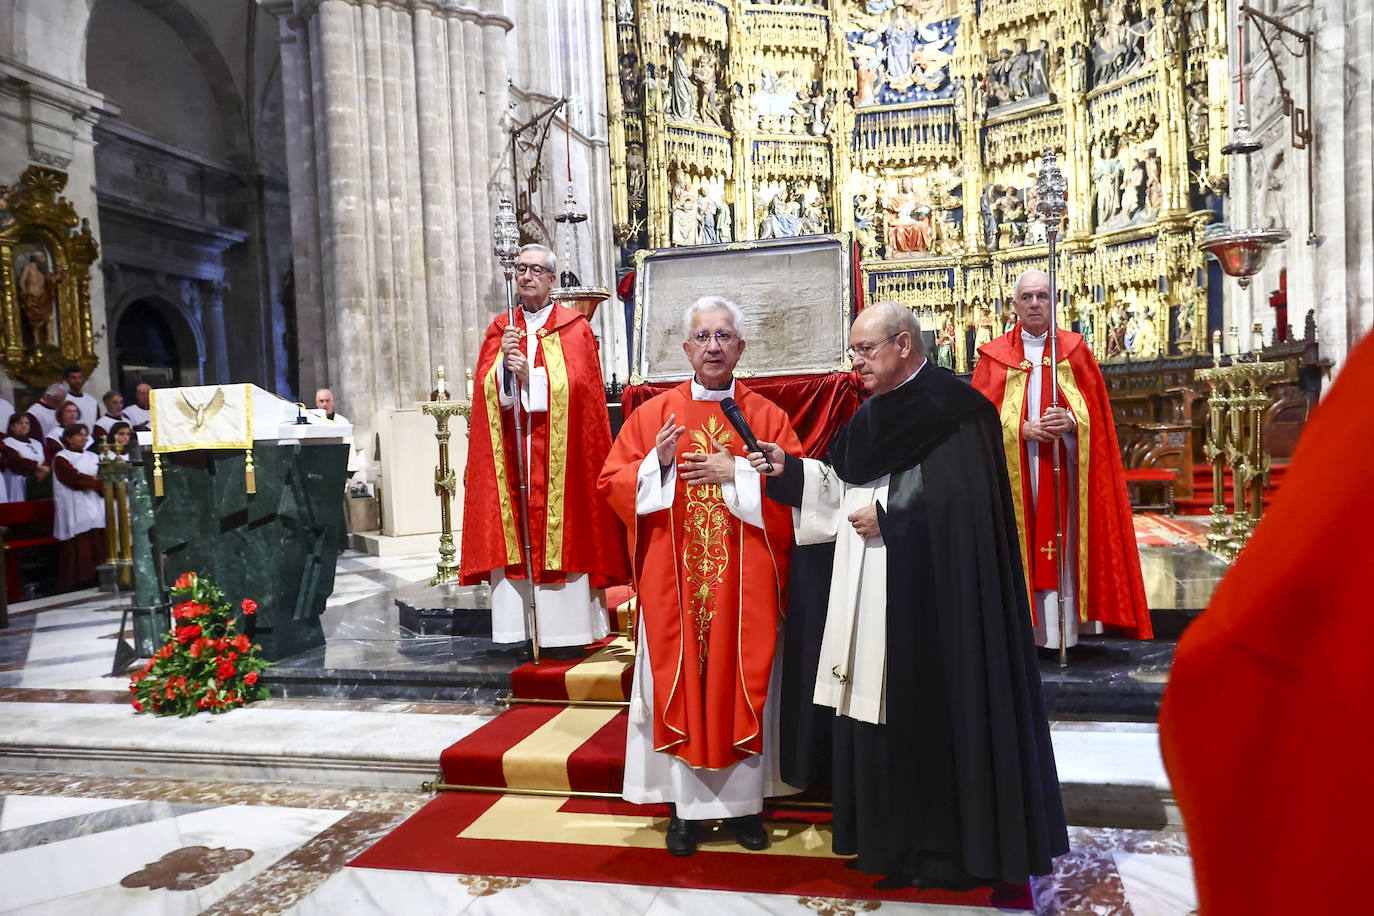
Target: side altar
x=248 y=489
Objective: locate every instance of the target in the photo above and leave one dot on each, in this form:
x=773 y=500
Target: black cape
x=959 y=786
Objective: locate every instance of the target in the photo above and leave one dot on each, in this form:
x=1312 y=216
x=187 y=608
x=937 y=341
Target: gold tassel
x=250 y=477
x=157 y=475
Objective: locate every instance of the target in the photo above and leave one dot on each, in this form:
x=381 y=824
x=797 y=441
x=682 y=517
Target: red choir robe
x=1110 y=587
x=572 y=529
x=710 y=587
x=1266 y=726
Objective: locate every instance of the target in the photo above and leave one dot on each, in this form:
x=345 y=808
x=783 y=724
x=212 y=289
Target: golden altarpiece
x=918 y=127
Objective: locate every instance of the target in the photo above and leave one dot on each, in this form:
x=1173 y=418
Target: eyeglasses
x=867 y=350
x=537 y=269
x=704 y=338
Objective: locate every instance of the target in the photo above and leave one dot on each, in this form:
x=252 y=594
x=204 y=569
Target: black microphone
x=736 y=418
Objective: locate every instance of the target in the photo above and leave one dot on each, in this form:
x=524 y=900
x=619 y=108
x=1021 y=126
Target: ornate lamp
x=571 y=292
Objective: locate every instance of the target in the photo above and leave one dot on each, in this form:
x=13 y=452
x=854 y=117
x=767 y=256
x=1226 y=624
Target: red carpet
x=603 y=675
x=542 y=747
x=581 y=840
x=1153 y=530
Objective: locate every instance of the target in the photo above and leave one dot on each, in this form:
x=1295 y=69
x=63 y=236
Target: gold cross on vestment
x=1048 y=551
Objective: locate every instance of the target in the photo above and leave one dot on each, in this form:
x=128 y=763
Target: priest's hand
x=1052 y=425
x=769 y=453
x=665 y=443
x=716 y=467
x=512 y=358
x=865 y=522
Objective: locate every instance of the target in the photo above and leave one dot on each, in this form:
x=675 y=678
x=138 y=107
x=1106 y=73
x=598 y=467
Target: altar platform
x=369 y=654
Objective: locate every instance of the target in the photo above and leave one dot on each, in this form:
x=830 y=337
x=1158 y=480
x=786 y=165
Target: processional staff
x=507 y=236
x=1052 y=193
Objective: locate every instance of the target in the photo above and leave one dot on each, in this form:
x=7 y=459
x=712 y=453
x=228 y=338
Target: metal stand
x=445 y=481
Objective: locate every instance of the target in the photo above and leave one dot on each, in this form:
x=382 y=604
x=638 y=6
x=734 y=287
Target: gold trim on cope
x=556 y=367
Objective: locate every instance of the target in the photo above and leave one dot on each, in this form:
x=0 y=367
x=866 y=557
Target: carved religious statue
x=780 y=223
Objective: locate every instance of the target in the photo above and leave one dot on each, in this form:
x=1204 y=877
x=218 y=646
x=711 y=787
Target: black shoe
x=682 y=836
x=749 y=831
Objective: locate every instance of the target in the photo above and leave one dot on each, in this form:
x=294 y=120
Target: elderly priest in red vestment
x=1105 y=585
x=710 y=563
x=578 y=545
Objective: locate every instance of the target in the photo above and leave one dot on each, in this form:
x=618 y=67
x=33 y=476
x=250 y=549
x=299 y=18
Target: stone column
x=212 y=293
x=312 y=353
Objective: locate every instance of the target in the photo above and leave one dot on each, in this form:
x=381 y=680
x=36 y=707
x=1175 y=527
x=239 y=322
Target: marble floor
x=260 y=809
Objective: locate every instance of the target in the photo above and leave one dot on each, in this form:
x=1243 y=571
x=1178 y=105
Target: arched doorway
x=146 y=349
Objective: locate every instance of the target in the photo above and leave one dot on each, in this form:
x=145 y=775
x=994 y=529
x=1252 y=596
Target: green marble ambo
x=277 y=546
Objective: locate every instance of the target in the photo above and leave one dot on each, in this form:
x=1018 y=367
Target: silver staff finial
x=1051 y=190
x=506 y=235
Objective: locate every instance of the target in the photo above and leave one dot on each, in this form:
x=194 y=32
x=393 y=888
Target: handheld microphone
x=736 y=418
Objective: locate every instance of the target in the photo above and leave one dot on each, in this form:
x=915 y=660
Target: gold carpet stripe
x=541 y=760
x=536 y=819
x=599 y=676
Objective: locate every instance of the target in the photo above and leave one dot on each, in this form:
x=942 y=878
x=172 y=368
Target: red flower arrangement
x=206 y=662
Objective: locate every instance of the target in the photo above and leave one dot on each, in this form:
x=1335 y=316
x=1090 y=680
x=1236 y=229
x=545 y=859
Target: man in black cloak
x=941 y=767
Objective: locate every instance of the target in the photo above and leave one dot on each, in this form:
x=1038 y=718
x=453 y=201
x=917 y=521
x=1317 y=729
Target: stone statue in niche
x=1018 y=71
x=902 y=235
x=1132 y=191
x=1011 y=219
x=1106 y=181
x=629 y=80
x=813 y=217
x=781 y=222
x=1146 y=342
x=989 y=218
x=625 y=12
x=1154 y=187
x=865 y=223
x=683 y=94
x=686 y=221
x=635 y=175
x=1184 y=318
x=900 y=40
x=1119 y=31
x=708 y=106
x=714 y=219
x=980 y=97
x=1039 y=82
x=1085 y=327
x=1196 y=13
x=944 y=346
x=1078 y=68
x=1117 y=329
x=1197 y=118
x=868 y=65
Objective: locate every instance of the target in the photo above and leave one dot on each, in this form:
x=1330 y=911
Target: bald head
x=324 y=400
x=886 y=346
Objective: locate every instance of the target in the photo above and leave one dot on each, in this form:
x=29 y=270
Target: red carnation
x=250 y=678
x=241 y=643
x=225 y=669
x=185 y=580
x=198 y=647
x=167 y=650
x=139 y=675
x=249 y=606
x=187 y=633
x=138 y=706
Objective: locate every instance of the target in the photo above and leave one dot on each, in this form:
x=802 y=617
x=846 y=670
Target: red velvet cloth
x=1266 y=726
x=816 y=405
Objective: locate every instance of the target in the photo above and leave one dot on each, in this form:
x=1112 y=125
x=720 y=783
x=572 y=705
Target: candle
x=1216 y=348
x=443 y=395
x=1233 y=340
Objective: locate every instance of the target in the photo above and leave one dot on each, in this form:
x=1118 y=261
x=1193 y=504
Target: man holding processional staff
x=1099 y=582
x=537 y=437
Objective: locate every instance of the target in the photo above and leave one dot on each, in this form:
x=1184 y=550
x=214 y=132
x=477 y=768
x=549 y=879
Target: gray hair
x=109 y=396
x=897 y=318
x=707 y=303
x=1016 y=287
x=550 y=259
x=55 y=389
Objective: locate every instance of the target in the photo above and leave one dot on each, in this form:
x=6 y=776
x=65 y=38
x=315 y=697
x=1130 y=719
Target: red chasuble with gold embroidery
x=710 y=586
x=572 y=528
x=1110 y=586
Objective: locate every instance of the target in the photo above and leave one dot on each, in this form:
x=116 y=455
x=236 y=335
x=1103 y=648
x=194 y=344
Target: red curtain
x=817 y=405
